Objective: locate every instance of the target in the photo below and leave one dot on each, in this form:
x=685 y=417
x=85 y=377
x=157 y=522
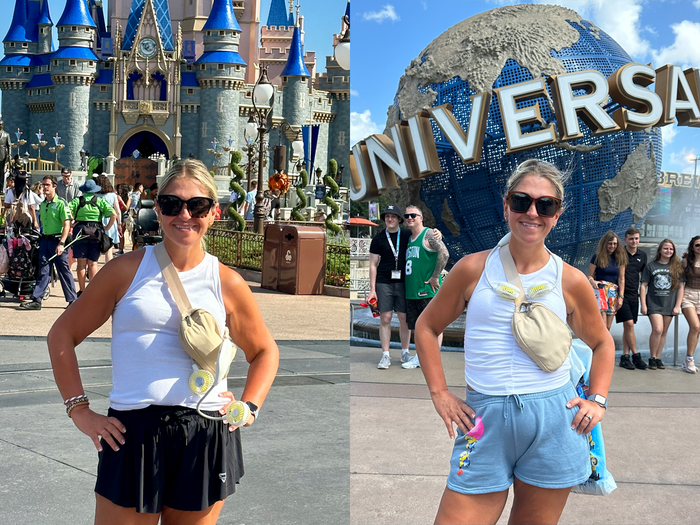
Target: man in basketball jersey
x=426 y=257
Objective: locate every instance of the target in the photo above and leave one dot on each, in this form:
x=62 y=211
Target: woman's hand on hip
x=589 y=415
x=98 y=427
x=453 y=410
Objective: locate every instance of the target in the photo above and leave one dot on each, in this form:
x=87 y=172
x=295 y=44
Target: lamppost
x=342 y=50
x=695 y=160
x=56 y=149
x=263 y=95
x=38 y=147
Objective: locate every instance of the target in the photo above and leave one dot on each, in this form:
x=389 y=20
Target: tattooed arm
x=432 y=243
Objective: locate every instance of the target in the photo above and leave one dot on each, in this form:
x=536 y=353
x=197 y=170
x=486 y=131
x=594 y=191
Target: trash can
x=302 y=260
x=272 y=246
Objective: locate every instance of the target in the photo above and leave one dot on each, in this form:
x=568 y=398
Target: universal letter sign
x=410 y=152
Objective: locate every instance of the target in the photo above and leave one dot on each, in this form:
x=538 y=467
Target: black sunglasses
x=520 y=202
x=171 y=205
x=411 y=215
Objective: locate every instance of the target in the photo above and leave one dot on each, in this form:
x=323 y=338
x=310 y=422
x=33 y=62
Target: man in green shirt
x=426 y=257
x=55 y=223
x=87 y=211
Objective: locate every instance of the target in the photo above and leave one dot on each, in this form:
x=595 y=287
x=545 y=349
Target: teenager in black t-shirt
x=627 y=314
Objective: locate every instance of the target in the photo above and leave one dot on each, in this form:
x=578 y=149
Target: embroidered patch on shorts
x=222 y=477
x=471 y=437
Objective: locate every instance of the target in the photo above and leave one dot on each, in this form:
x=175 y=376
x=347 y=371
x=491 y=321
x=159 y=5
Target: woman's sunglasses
x=520 y=202
x=171 y=205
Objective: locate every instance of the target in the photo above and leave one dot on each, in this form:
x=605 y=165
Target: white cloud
x=387 y=11
x=668 y=133
x=696 y=3
x=425 y=5
x=354 y=93
x=618 y=18
x=684 y=50
x=678 y=160
x=362 y=126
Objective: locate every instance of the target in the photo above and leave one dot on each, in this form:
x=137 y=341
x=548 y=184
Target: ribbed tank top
x=692 y=276
x=149 y=365
x=494 y=363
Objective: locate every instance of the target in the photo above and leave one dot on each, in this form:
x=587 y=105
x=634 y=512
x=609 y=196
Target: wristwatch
x=255 y=410
x=601 y=400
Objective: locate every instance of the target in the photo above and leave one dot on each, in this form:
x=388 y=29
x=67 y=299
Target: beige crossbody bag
x=544 y=337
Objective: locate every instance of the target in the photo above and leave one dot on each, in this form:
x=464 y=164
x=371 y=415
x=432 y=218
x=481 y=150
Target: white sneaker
x=405 y=357
x=689 y=365
x=385 y=362
x=413 y=363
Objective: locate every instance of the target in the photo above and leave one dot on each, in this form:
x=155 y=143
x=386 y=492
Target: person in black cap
x=88 y=211
x=387 y=258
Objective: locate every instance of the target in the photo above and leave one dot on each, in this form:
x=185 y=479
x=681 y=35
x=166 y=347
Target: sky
x=387 y=35
x=322 y=20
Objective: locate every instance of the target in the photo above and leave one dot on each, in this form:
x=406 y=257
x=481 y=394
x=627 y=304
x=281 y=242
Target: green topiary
x=332 y=168
x=301 y=197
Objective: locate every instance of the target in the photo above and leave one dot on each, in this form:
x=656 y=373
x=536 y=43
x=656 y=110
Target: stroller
x=23 y=269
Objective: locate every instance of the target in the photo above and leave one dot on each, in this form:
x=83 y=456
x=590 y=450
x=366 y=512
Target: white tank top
x=494 y=363
x=149 y=365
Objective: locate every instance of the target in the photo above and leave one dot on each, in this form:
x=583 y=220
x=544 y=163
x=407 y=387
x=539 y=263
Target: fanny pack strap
x=172 y=278
x=511 y=273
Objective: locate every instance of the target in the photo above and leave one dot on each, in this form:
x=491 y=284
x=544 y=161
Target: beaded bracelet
x=76 y=404
x=81 y=397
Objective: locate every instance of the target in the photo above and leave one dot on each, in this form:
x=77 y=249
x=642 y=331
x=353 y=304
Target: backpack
x=19 y=213
x=96 y=231
x=20 y=265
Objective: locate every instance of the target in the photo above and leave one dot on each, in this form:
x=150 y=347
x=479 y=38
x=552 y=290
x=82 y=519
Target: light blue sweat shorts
x=528 y=436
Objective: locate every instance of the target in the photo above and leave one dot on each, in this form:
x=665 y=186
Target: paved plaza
x=400 y=447
x=296 y=456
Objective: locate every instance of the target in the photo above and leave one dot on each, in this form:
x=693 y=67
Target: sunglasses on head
x=520 y=202
x=171 y=205
x=411 y=215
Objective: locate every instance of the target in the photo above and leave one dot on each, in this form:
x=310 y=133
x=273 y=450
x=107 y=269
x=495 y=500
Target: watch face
x=147 y=47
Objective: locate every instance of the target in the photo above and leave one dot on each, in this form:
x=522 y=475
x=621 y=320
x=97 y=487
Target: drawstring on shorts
x=506 y=404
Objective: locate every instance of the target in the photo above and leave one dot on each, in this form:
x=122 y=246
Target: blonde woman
x=661 y=295
x=516 y=426
x=606 y=273
x=158 y=458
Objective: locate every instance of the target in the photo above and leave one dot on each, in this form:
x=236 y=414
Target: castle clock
x=147 y=47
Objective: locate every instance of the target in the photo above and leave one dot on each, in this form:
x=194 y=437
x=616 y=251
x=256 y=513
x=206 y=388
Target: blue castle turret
x=45 y=44
x=15 y=70
x=294 y=78
x=73 y=70
x=220 y=74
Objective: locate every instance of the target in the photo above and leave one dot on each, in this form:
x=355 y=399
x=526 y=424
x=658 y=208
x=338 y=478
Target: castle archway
x=147 y=140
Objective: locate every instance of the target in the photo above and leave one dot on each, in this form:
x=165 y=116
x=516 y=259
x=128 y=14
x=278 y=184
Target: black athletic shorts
x=628 y=310
x=414 y=307
x=172 y=457
x=391 y=297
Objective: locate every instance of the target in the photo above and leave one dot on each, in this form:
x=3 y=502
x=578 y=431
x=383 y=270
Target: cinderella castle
x=170 y=79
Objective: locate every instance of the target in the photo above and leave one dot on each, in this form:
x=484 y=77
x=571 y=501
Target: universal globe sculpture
x=507 y=46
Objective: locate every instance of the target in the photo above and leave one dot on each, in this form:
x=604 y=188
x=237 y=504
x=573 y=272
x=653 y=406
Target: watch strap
x=253 y=408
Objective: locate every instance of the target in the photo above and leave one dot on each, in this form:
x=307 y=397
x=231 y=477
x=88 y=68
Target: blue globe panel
x=474 y=192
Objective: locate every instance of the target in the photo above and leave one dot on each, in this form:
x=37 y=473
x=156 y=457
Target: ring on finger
x=590 y=417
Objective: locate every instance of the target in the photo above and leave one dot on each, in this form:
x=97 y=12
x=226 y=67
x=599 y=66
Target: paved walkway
x=296 y=462
x=400 y=447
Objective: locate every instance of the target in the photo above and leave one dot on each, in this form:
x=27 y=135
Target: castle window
x=41 y=30
x=55 y=63
x=26 y=69
x=203 y=67
x=208 y=33
x=30 y=92
x=60 y=29
x=103 y=89
x=47 y=91
x=25 y=44
x=8 y=69
x=48 y=67
x=222 y=33
x=12 y=44
x=91 y=63
x=74 y=28
x=189 y=67
x=72 y=62
x=238 y=68
x=190 y=91
x=220 y=67
x=40 y=68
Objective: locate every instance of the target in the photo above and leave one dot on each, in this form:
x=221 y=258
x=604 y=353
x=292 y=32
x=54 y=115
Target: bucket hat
x=90 y=187
x=394 y=210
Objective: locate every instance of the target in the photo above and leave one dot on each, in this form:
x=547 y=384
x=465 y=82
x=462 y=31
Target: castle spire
x=45 y=16
x=222 y=17
x=295 y=66
x=278 y=14
x=18 y=27
x=76 y=13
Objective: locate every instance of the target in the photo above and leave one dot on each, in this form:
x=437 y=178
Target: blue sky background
x=322 y=20
x=387 y=35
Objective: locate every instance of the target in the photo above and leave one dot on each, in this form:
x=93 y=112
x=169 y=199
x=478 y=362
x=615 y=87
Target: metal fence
x=245 y=249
